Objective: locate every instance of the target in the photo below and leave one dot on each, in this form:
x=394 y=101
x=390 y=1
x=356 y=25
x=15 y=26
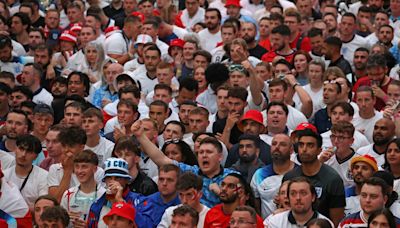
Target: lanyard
x=26 y=180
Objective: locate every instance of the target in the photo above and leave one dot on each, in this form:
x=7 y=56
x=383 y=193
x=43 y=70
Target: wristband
x=294 y=86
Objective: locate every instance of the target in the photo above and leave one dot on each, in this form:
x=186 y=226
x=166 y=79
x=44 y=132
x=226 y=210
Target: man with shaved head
x=270 y=175
x=384 y=132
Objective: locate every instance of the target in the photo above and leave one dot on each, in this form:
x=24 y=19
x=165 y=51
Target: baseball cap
x=365 y=158
x=139 y=15
x=43 y=109
x=175 y=43
x=111 y=30
x=68 y=36
x=76 y=27
x=143 y=39
x=121 y=209
x=116 y=167
x=232 y=3
x=251 y=115
x=304 y=126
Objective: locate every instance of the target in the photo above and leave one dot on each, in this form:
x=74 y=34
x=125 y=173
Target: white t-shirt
x=77 y=201
x=209 y=41
x=359 y=140
x=56 y=173
x=146 y=82
x=380 y=158
x=348 y=48
x=43 y=97
x=6 y=160
x=103 y=150
x=35 y=186
x=148 y=167
x=132 y=65
x=188 y=21
x=116 y=44
x=167 y=217
x=366 y=126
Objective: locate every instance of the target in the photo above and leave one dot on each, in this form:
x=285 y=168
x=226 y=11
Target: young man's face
x=52 y=224
x=158 y=113
x=16 y=98
x=39 y=207
x=84 y=171
x=209 y=158
x=16 y=124
x=92 y=125
x=360 y=171
x=198 y=123
x=24 y=157
x=42 y=123
x=116 y=221
x=300 y=197
x=73 y=116
x=128 y=156
x=52 y=144
x=371 y=198
x=167 y=182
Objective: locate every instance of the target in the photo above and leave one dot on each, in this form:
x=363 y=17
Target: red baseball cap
x=138 y=14
x=233 y=3
x=111 y=30
x=69 y=36
x=251 y=115
x=306 y=125
x=175 y=43
x=121 y=209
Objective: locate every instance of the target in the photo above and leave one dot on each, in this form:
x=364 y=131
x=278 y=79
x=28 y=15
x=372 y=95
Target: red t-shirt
x=365 y=81
x=265 y=44
x=216 y=218
x=305 y=43
x=269 y=56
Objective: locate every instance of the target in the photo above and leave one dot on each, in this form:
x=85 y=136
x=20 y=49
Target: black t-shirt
x=345 y=66
x=39 y=23
x=143 y=184
x=328 y=185
x=113 y=13
x=264 y=156
x=257 y=51
x=219 y=125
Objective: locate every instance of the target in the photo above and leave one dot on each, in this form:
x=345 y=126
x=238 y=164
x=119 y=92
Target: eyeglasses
x=240 y=222
x=236 y=67
x=340 y=138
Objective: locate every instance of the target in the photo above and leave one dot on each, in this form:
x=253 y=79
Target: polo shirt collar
x=293 y=221
x=221 y=172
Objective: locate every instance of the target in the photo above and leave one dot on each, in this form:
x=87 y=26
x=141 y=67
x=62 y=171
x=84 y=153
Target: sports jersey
x=264 y=186
x=358 y=220
x=209 y=198
x=167 y=217
x=343 y=168
x=35 y=186
x=348 y=48
x=328 y=185
x=16 y=64
x=77 y=201
x=287 y=220
x=103 y=150
x=6 y=160
x=42 y=96
x=153 y=206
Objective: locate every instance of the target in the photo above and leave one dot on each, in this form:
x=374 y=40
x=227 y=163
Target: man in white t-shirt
x=31 y=77
x=30 y=179
x=151 y=27
x=302 y=196
x=191 y=15
x=351 y=41
x=211 y=36
x=190 y=192
x=383 y=133
x=364 y=121
x=338 y=156
x=61 y=176
x=147 y=78
x=92 y=124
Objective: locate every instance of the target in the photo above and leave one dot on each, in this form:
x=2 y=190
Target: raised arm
x=306 y=101
x=155 y=154
x=256 y=83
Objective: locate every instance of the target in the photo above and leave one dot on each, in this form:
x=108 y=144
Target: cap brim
x=111 y=213
x=117 y=175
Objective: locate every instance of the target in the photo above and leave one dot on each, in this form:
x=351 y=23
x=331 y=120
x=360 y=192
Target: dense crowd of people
x=194 y=113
